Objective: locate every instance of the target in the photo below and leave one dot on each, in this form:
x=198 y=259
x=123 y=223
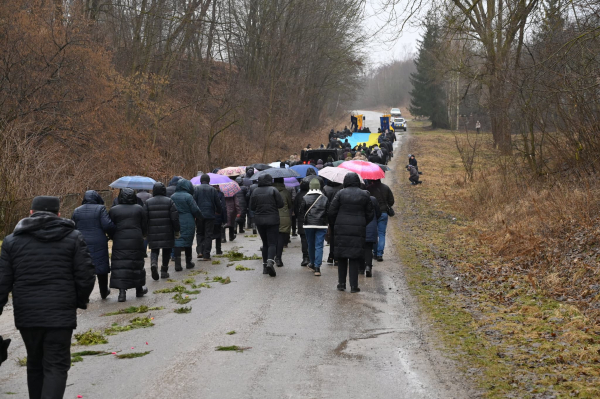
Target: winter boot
x=278 y=262
x=122 y=295
x=223 y=235
x=232 y=233
x=154 y=265
x=104 y=292
x=305 y=261
x=368 y=271
x=341 y=287
x=330 y=260
x=271 y=268
x=178 y=267
x=253 y=227
x=241 y=228
x=265 y=271
x=141 y=291
x=317 y=271
x=164 y=272
x=188 y=263
x=311 y=267
x=354 y=289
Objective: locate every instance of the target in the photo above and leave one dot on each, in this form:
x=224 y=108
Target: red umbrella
x=229 y=189
x=366 y=170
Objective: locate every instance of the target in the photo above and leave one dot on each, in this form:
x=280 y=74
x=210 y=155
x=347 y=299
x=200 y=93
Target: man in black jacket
x=47 y=266
x=385 y=198
x=163 y=228
x=208 y=202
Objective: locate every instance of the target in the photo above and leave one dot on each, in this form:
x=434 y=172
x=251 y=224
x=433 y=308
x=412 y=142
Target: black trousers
x=166 y=255
x=204 y=234
x=294 y=224
x=368 y=254
x=188 y=252
x=231 y=233
x=331 y=241
x=48 y=361
x=282 y=241
x=102 y=282
x=343 y=268
x=304 y=243
x=269 y=235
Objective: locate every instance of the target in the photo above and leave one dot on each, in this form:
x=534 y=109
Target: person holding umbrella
x=188 y=213
x=265 y=202
x=351 y=211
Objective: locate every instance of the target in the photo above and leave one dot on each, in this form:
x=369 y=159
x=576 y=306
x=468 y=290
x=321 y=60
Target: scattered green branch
x=90 y=337
x=132 y=355
x=133 y=309
x=182 y=310
x=241 y=268
x=232 y=348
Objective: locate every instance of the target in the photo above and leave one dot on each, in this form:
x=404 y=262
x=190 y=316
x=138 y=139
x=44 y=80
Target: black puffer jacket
x=92 y=220
x=265 y=202
x=352 y=210
x=163 y=218
x=330 y=191
x=314 y=209
x=47 y=266
x=128 y=242
x=383 y=194
x=241 y=197
x=300 y=216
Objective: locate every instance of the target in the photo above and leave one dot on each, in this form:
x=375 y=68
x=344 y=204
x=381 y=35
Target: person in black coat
x=93 y=222
x=330 y=191
x=128 y=245
x=352 y=211
x=241 y=197
x=207 y=199
x=385 y=198
x=220 y=218
x=163 y=227
x=265 y=202
x=304 y=187
x=46 y=265
x=412 y=161
x=371 y=240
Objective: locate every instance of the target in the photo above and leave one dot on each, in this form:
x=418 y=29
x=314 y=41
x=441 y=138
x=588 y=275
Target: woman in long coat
x=352 y=210
x=285 y=219
x=128 y=245
x=188 y=213
x=92 y=220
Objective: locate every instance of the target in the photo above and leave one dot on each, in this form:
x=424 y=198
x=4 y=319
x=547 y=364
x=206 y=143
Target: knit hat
x=314 y=184
x=46 y=203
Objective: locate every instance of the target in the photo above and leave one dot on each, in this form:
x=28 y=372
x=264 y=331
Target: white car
x=395 y=112
x=399 y=123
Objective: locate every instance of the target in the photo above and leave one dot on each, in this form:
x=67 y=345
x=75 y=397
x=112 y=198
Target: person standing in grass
x=46 y=265
x=314 y=210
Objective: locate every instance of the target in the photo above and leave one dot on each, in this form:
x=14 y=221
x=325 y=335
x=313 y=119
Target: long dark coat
x=128 y=242
x=352 y=210
x=188 y=212
x=92 y=220
x=163 y=218
x=265 y=202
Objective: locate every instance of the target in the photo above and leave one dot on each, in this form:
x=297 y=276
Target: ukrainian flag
x=359 y=138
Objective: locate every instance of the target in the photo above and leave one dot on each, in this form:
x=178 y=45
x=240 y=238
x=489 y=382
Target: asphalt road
x=306 y=339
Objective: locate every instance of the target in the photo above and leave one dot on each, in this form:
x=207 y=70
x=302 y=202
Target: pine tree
x=428 y=98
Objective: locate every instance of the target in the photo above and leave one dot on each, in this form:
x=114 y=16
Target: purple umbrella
x=214 y=179
x=291 y=182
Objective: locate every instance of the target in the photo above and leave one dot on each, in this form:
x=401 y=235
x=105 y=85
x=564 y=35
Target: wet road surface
x=306 y=339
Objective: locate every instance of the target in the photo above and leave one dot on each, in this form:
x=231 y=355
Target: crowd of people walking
x=50 y=263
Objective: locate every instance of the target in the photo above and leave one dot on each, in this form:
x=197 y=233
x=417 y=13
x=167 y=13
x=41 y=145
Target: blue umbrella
x=134 y=182
x=302 y=169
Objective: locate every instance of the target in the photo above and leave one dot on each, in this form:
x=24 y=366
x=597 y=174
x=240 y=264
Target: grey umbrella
x=276 y=173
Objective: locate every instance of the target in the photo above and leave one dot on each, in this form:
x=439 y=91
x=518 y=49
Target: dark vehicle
x=306 y=156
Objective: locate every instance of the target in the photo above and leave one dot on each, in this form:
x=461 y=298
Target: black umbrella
x=385 y=168
x=276 y=173
x=259 y=166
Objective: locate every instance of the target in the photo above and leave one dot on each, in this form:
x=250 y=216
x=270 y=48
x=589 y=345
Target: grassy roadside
x=513 y=340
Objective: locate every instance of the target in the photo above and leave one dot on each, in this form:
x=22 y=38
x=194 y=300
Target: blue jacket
x=207 y=199
x=372 y=233
x=92 y=220
x=188 y=211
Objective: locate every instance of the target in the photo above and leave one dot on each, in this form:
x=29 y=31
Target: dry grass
x=506 y=270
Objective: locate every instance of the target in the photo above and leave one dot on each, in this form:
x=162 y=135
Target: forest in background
x=91 y=90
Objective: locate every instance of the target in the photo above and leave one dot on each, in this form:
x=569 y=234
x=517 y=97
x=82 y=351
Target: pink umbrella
x=231 y=171
x=214 y=179
x=366 y=170
x=230 y=189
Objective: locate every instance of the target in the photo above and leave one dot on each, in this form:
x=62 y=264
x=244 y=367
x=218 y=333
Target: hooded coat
x=128 y=242
x=352 y=210
x=188 y=212
x=265 y=202
x=93 y=222
x=285 y=220
x=314 y=208
x=372 y=234
x=383 y=194
x=249 y=173
x=46 y=265
x=172 y=186
x=163 y=218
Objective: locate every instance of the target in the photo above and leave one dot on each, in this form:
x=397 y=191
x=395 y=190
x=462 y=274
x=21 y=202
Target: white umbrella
x=336 y=174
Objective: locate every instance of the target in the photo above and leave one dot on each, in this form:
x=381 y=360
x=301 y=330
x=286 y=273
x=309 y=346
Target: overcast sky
x=389 y=43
